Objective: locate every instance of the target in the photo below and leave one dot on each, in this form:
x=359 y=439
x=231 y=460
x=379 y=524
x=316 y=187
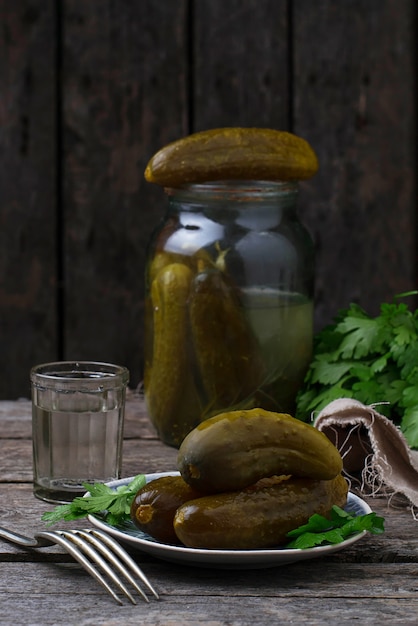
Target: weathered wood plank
x=376 y=576
x=139 y=457
x=16 y=461
x=142 y=451
x=124 y=96
x=240 y=64
x=353 y=99
x=28 y=272
x=16 y=418
x=399 y=542
x=132 y=81
x=275 y=595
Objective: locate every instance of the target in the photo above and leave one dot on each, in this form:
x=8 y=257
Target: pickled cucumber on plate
x=155 y=504
x=247 y=478
x=258 y=517
x=233 y=450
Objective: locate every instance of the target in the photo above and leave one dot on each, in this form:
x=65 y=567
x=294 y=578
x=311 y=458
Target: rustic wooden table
x=374 y=581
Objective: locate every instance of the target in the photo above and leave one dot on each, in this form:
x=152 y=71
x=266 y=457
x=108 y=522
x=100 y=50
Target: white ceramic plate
x=225 y=559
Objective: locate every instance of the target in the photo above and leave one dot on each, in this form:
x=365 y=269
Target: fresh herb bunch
x=112 y=505
x=373 y=360
x=340 y=526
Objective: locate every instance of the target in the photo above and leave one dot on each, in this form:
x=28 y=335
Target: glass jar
x=229 y=304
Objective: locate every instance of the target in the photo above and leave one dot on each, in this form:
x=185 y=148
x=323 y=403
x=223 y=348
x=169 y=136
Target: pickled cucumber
x=170 y=394
x=258 y=517
x=233 y=450
x=232 y=154
x=155 y=504
x=226 y=351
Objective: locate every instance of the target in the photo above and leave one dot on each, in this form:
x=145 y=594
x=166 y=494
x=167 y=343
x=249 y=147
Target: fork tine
x=124 y=556
x=72 y=549
x=110 y=555
x=97 y=559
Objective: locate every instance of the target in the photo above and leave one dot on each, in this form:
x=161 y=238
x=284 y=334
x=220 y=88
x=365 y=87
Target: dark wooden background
x=90 y=89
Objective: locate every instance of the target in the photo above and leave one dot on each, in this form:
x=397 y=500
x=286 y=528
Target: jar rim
x=236 y=188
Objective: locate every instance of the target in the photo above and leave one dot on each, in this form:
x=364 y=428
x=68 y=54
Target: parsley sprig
x=374 y=360
x=113 y=505
x=340 y=526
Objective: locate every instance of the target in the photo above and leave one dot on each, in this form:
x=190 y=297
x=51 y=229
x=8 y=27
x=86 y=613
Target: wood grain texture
x=370 y=582
x=89 y=91
x=240 y=64
x=16 y=444
x=376 y=577
x=353 y=101
x=47 y=587
x=28 y=271
x=16 y=416
x=124 y=90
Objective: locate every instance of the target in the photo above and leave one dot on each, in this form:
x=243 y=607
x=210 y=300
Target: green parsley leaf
x=113 y=505
x=340 y=526
x=409 y=425
x=330 y=373
x=360 y=337
x=373 y=360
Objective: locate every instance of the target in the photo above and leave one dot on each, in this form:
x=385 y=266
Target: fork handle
x=20 y=540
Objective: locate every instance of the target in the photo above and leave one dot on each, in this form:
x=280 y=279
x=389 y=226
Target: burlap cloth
x=375 y=453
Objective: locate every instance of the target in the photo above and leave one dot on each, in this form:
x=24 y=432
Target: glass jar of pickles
x=229 y=304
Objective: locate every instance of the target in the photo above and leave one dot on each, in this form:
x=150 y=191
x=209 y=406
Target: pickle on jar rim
x=232 y=153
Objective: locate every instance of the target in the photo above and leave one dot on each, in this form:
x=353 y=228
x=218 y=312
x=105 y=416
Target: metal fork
x=94 y=550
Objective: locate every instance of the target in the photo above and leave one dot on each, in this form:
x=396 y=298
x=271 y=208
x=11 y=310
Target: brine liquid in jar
x=283 y=326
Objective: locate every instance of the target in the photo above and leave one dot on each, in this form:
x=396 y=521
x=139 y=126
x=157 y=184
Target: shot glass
x=78 y=412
